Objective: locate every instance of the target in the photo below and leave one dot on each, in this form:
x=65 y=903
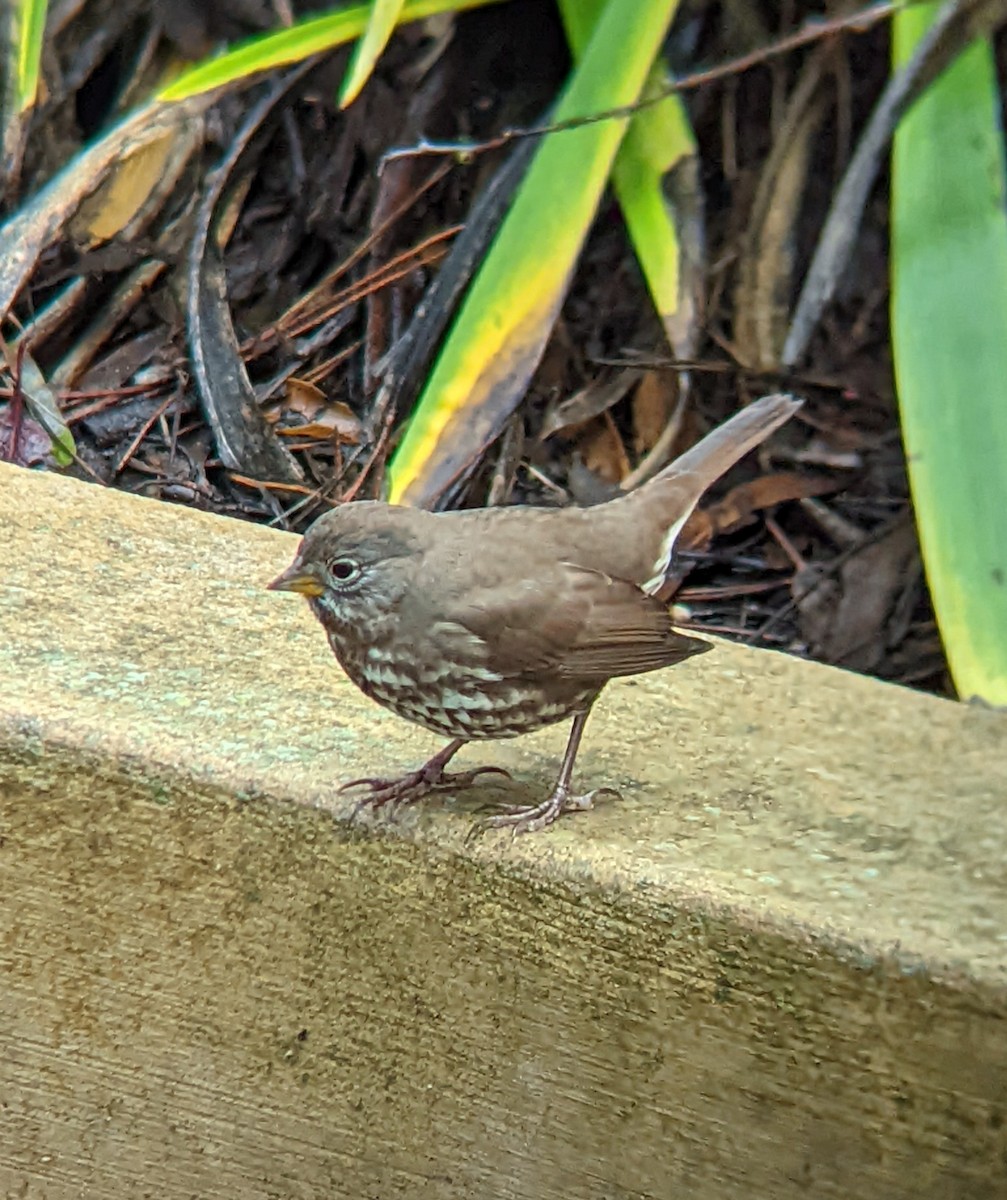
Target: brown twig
x=812 y=31
x=145 y=428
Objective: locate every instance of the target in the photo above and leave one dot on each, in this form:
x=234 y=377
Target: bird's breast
x=455 y=699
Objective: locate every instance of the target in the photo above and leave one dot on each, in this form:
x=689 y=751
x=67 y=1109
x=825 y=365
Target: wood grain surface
x=777 y=968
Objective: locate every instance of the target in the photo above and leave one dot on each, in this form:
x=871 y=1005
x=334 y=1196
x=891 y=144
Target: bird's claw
x=395 y=793
x=530 y=818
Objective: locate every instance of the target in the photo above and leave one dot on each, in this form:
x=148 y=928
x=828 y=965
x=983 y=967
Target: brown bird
x=492 y=622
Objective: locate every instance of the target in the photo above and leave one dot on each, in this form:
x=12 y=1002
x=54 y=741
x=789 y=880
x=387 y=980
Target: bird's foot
x=530 y=818
x=393 y=794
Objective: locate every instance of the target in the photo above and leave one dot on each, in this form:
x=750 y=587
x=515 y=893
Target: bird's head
x=350 y=564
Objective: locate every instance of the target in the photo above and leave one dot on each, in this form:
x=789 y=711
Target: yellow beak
x=297 y=579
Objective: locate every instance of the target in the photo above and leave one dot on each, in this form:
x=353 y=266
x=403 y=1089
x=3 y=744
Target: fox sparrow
x=489 y=623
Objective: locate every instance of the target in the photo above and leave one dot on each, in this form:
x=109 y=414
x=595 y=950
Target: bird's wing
x=587 y=626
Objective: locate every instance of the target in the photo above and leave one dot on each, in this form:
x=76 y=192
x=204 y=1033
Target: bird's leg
x=431 y=777
x=532 y=817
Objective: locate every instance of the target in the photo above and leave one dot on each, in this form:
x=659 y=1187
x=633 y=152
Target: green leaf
x=293 y=45
x=656 y=183
x=30 y=26
x=40 y=401
x=509 y=310
x=949 y=334
x=384 y=16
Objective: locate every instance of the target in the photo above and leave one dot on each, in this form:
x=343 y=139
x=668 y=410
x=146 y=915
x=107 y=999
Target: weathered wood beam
x=777 y=968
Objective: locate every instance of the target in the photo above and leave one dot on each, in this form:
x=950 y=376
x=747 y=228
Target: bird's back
x=630 y=538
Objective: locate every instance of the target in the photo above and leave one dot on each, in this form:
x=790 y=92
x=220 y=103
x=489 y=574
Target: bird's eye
x=343 y=569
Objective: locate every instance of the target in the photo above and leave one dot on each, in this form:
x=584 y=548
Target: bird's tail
x=675 y=492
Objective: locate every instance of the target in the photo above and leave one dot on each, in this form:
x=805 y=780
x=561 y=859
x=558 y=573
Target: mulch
x=330 y=248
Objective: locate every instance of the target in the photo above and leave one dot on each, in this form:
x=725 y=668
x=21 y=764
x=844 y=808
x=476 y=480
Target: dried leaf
x=123 y=362
x=603 y=452
x=765 y=267
x=654 y=403
x=322 y=419
x=845 y=617
x=39 y=221
x=137 y=185
x=245 y=441
x=303 y=397
x=741 y=504
x=589 y=402
x=33 y=443
x=40 y=400
x=337 y=423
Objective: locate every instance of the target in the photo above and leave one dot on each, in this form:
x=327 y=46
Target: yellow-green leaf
x=659 y=141
x=509 y=310
x=40 y=401
x=30 y=26
x=949 y=335
x=384 y=16
x=293 y=45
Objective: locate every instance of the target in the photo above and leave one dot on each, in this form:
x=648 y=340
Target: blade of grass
x=384 y=17
x=949 y=320
x=295 y=43
x=31 y=30
x=22 y=29
x=659 y=141
x=39 y=400
x=30 y=227
x=509 y=310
